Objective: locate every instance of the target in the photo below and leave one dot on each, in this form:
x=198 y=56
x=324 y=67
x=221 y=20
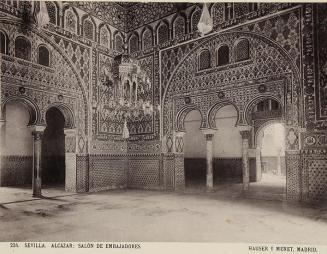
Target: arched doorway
x=194 y=151
x=53 y=149
x=227 y=147
x=270 y=141
x=16 y=145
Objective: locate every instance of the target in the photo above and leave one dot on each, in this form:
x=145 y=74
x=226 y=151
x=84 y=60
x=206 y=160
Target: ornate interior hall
x=196 y=103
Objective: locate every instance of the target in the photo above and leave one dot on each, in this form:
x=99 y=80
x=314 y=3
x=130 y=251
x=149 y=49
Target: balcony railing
x=10 y=7
x=267 y=114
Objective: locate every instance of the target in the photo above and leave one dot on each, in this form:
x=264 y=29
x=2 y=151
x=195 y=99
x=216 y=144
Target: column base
x=209 y=178
x=180 y=188
x=246 y=186
x=37 y=188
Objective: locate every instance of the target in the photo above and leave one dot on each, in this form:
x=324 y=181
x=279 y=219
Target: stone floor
x=224 y=215
x=271 y=187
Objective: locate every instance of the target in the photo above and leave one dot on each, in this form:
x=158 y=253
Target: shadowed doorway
x=53 y=149
x=227 y=147
x=194 y=151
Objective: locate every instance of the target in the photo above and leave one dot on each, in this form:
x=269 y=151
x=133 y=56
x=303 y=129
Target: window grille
x=23 y=48
x=242 y=50
x=204 y=60
x=223 y=55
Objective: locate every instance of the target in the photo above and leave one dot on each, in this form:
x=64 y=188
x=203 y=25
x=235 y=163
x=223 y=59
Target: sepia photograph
x=132 y=123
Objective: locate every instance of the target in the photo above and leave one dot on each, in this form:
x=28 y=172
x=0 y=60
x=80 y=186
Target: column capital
x=244 y=128
x=179 y=134
x=2 y=122
x=209 y=131
x=37 y=131
x=37 y=128
x=70 y=132
x=245 y=134
x=301 y=129
x=245 y=131
x=209 y=137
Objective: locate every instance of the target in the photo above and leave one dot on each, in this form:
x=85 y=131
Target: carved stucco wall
x=45 y=86
x=275 y=62
x=320 y=90
x=283 y=62
x=314 y=137
x=239 y=82
x=74 y=80
x=282 y=53
x=106 y=128
x=109 y=12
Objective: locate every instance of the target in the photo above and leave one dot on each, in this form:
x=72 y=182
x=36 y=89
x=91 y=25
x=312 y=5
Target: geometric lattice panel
x=16 y=170
x=52 y=12
x=318 y=179
x=143 y=173
x=283 y=29
x=88 y=29
x=179 y=172
x=169 y=172
x=82 y=164
x=70 y=144
x=293 y=176
x=179 y=27
x=204 y=60
x=107 y=172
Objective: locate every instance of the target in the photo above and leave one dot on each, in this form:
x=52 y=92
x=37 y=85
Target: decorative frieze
x=312 y=140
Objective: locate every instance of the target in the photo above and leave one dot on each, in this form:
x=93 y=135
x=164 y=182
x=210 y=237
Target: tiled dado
x=107 y=172
x=144 y=171
x=16 y=170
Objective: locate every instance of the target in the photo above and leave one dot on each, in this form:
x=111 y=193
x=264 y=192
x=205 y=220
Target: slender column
x=246 y=134
x=188 y=26
x=258 y=156
x=279 y=169
x=59 y=20
x=2 y=129
x=154 y=36
x=59 y=17
x=2 y=144
x=79 y=28
x=258 y=164
x=37 y=133
x=130 y=92
x=2 y=135
x=209 y=176
x=62 y=17
x=140 y=44
x=269 y=105
x=171 y=32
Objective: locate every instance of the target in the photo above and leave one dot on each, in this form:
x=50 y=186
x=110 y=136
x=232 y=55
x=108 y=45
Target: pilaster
x=2 y=144
x=70 y=160
x=258 y=164
x=179 y=181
